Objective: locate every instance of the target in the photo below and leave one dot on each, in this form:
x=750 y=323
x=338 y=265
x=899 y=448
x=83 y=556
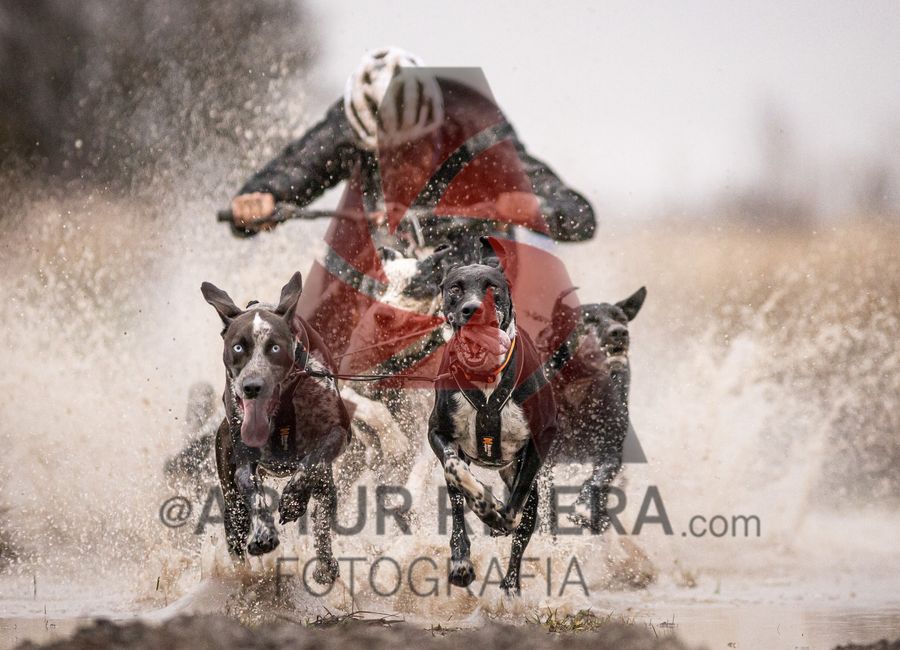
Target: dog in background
x=399 y=330
x=280 y=421
x=590 y=373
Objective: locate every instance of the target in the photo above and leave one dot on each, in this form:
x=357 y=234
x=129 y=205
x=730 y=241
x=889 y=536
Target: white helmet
x=413 y=109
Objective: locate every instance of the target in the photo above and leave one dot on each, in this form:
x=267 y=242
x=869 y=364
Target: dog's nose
x=252 y=388
x=468 y=309
x=618 y=335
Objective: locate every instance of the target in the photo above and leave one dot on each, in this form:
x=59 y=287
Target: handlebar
x=422 y=224
x=285 y=211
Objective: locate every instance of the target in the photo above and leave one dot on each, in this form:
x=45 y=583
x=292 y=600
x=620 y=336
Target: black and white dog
x=494 y=408
x=279 y=421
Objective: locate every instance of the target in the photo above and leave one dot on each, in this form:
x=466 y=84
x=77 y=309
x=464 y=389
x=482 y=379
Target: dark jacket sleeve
x=319 y=160
x=569 y=215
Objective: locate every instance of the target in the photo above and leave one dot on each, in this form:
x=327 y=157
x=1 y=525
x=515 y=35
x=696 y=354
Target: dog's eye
x=238 y=348
x=455 y=291
x=275 y=349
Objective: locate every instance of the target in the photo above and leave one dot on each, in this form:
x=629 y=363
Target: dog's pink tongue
x=492 y=339
x=255 y=427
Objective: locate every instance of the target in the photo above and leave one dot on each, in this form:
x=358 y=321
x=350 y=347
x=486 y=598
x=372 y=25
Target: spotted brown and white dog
x=280 y=421
x=495 y=409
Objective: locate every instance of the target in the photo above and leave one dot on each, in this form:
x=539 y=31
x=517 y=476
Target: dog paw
x=293 y=503
x=326 y=571
x=462 y=572
x=264 y=540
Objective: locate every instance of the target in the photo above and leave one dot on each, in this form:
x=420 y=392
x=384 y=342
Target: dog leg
x=479 y=499
x=264 y=537
x=462 y=572
x=327 y=570
x=295 y=495
x=314 y=468
x=511 y=584
x=521 y=486
x=236 y=516
x=458 y=476
x=590 y=506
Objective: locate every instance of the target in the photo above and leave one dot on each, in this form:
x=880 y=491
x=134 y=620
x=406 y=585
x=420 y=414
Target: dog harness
x=284 y=420
x=488 y=423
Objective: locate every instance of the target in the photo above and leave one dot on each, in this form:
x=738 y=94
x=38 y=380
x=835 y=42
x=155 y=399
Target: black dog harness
x=488 y=423
x=285 y=420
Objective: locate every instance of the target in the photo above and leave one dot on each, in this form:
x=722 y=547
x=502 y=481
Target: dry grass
x=704 y=270
x=584 y=620
x=353 y=617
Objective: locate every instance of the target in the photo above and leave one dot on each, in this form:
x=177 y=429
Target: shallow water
x=733 y=615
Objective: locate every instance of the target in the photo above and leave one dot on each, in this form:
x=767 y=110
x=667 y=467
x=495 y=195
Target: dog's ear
x=488 y=253
x=290 y=294
x=632 y=304
x=221 y=302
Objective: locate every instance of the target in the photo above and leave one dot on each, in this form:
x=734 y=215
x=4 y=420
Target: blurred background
x=781 y=113
x=744 y=164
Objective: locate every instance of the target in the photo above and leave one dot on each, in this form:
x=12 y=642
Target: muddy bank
x=218 y=631
x=198 y=632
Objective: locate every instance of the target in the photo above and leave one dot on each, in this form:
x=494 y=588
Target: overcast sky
x=643 y=104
